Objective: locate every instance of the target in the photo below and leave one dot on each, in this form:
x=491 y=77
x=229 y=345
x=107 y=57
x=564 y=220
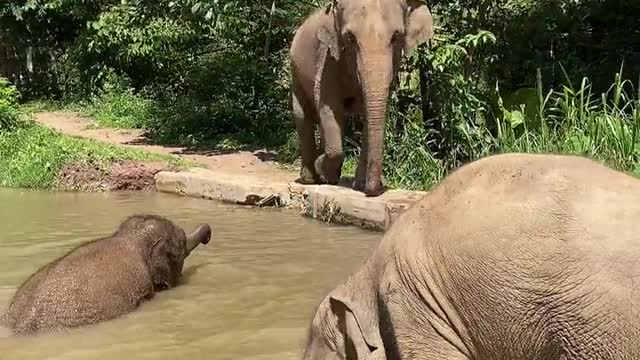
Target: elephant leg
x=329 y=164
x=329 y=101
x=305 y=126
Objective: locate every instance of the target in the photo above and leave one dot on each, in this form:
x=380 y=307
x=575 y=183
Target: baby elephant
x=514 y=256
x=104 y=278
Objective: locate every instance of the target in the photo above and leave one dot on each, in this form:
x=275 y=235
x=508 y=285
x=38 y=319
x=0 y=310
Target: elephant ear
x=419 y=25
x=329 y=46
x=328 y=34
x=360 y=328
x=160 y=263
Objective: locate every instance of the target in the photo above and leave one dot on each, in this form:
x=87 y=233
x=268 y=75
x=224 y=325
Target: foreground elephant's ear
x=360 y=326
x=419 y=25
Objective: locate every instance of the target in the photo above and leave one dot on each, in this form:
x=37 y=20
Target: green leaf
x=515 y=118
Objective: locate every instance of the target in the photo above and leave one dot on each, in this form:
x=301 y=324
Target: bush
x=9 y=114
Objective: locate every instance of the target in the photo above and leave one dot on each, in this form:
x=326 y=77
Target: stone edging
x=328 y=203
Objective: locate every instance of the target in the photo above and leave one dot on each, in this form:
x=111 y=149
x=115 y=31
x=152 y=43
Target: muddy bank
x=112 y=176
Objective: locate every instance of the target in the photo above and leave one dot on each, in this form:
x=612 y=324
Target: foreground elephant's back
x=529 y=247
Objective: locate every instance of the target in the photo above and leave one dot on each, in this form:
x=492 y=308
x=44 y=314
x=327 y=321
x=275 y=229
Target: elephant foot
x=377 y=191
x=330 y=170
x=308 y=177
x=381 y=189
x=358 y=184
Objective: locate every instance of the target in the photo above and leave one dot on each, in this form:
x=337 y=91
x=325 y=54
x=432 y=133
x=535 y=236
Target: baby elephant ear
x=419 y=25
x=360 y=327
x=161 y=272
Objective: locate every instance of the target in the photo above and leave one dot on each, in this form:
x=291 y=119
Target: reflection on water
x=248 y=294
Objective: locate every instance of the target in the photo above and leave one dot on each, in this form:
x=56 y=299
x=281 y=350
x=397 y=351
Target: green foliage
x=31 y=156
x=570 y=120
x=214 y=73
x=414 y=167
x=9 y=114
x=187 y=71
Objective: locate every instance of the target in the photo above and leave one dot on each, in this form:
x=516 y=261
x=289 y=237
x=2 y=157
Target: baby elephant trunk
x=201 y=235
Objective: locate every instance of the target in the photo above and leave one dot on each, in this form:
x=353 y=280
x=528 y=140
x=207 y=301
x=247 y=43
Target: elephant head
x=163 y=244
x=370 y=36
x=346 y=326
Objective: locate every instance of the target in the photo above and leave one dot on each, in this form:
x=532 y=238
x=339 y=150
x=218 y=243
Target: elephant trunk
x=201 y=235
x=376 y=74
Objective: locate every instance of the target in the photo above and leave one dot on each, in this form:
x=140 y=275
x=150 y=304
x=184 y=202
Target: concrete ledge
x=347 y=206
x=327 y=203
x=238 y=189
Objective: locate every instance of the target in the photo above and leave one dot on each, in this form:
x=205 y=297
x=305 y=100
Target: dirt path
x=241 y=163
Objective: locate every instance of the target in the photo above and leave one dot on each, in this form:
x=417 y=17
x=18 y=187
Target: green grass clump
x=121 y=109
x=32 y=156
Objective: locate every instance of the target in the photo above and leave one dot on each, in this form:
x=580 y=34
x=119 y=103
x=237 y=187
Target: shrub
x=9 y=113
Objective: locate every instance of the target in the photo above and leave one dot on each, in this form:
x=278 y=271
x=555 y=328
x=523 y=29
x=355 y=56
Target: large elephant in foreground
x=514 y=256
x=344 y=60
x=104 y=278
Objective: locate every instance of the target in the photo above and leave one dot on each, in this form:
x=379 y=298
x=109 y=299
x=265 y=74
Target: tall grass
x=568 y=120
x=574 y=120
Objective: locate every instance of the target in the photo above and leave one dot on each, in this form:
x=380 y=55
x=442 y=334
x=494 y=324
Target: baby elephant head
x=163 y=244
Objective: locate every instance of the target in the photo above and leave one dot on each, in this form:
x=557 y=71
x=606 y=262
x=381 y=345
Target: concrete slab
x=346 y=206
x=327 y=203
x=231 y=188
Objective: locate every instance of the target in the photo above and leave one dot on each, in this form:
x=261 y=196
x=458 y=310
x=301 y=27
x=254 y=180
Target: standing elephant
x=104 y=278
x=514 y=256
x=344 y=60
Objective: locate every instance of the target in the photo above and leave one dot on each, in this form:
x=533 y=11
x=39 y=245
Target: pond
x=249 y=294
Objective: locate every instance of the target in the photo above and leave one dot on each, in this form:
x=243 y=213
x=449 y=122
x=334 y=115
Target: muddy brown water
x=249 y=294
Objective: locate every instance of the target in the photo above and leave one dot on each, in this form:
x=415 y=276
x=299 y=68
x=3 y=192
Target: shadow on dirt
x=210 y=148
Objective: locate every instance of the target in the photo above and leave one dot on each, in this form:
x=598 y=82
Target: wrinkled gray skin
x=105 y=278
x=515 y=256
x=343 y=61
